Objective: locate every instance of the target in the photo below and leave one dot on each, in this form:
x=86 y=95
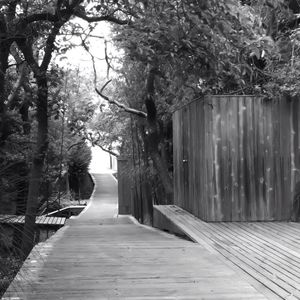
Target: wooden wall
x=134 y=192
x=124 y=187
x=236 y=158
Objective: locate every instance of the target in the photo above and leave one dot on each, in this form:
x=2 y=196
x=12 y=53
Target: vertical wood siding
x=236 y=158
x=125 y=193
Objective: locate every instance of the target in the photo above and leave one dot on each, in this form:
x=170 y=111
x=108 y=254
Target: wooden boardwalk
x=269 y=252
x=99 y=256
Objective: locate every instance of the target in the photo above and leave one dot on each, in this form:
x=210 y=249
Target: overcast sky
x=79 y=57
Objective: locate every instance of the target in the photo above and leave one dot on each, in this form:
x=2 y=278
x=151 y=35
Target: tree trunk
x=4 y=52
x=37 y=166
x=165 y=177
x=153 y=138
x=2 y=84
x=4 y=126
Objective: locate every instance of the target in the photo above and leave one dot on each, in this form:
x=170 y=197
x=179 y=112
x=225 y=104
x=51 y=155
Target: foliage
x=278 y=74
x=174 y=53
x=199 y=47
x=110 y=129
x=71 y=108
x=79 y=159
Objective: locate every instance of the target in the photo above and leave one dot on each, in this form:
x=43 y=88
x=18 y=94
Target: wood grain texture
x=40 y=220
x=267 y=251
x=236 y=158
x=125 y=187
x=97 y=256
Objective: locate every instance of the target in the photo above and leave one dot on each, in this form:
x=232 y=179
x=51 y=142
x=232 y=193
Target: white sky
x=78 y=57
x=100 y=161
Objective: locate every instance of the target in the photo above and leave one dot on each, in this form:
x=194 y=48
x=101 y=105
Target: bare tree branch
x=120 y=105
x=105 y=85
x=107 y=59
x=96 y=142
x=107 y=150
x=71 y=34
x=15 y=53
x=50 y=45
x=17 y=85
x=76 y=144
x=60 y=15
x=108 y=18
x=100 y=93
x=28 y=54
x=86 y=48
x=41 y=17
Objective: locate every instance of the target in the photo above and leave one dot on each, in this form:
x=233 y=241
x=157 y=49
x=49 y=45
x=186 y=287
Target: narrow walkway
x=100 y=256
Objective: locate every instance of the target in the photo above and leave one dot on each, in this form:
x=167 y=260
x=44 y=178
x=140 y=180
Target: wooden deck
x=99 y=256
x=40 y=220
x=269 y=252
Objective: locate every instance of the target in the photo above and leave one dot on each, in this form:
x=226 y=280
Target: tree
x=33 y=27
x=274 y=57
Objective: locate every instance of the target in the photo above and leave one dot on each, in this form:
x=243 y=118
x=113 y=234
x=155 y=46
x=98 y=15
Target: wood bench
x=267 y=251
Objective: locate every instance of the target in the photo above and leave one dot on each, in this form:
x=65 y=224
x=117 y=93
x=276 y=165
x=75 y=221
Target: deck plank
x=40 y=220
x=97 y=256
x=126 y=261
x=262 y=250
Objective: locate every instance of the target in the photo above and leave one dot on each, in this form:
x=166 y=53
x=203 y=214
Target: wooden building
x=237 y=158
